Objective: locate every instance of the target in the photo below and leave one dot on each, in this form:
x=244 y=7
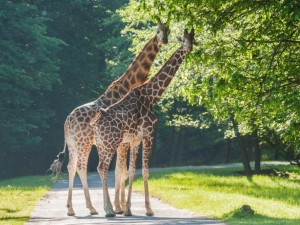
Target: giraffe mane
x=131 y=66
x=161 y=69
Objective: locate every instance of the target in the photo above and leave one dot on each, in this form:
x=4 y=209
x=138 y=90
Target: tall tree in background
x=28 y=71
x=247 y=68
x=55 y=55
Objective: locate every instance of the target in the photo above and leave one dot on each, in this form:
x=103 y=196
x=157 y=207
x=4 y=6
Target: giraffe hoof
x=150 y=213
x=71 y=214
x=128 y=213
x=94 y=213
x=110 y=215
x=120 y=212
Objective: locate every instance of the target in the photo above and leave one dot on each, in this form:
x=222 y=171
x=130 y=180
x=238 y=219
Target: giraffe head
x=163 y=32
x=188 y=40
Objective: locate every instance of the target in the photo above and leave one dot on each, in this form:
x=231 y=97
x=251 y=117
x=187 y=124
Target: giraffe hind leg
x=72 y=171
x=82 y=172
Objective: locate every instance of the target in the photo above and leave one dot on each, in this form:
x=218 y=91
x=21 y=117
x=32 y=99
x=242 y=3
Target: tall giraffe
x=79 y=135
x=132 y=121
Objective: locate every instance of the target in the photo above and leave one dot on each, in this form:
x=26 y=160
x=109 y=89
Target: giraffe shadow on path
x=51 y=209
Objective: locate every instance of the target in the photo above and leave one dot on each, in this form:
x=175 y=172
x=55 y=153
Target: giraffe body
x=128 y=122
x=79 y=135
x=131 y=121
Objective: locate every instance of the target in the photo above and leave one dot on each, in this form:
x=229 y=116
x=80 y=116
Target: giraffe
x=79 y=135
x=131 y=121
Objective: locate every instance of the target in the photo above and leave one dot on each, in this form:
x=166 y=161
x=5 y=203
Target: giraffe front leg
x=132 y=169
x=147 y=143
x=119 y=182
x=104 y=161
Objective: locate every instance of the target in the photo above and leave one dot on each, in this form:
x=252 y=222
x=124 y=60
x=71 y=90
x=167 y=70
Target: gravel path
x=51 y=209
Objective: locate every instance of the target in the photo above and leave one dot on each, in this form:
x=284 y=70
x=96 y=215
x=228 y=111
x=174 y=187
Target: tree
x=247 y=66
x=54 y=57
x=28 y=71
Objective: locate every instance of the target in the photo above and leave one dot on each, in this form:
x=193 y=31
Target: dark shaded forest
x=56 y=55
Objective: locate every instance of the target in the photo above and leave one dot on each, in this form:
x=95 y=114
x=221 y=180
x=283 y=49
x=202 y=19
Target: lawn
x=19 y=196
x=220 y=193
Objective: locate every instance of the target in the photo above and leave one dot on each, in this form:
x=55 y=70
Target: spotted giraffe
x=79 y=135
x=131 y=121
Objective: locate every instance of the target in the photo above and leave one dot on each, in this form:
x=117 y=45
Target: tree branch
x=276 y=41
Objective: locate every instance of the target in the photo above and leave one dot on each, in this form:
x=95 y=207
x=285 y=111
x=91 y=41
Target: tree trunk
x=173 y=146
x=242 y=147
x=174 y=135
x=181 y=147
x=244 y=155
x=257 y=154
x=249 y=147
x=228 y=151
x=276 y=146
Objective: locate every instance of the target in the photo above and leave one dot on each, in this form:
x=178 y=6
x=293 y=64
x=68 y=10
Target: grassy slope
x=18 y=197
x=219 y=193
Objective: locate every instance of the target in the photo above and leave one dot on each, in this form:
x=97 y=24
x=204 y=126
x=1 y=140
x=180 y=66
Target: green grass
x=19 y=196
x=220 y=193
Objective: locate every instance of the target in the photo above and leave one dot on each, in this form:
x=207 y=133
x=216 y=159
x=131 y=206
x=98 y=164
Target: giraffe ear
x=158 y=22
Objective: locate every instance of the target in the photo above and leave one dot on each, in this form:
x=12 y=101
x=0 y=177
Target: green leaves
x=53 y=58
x=27 y=71
x=247 y=63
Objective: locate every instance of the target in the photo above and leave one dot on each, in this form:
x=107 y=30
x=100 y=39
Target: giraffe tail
x=55 y=167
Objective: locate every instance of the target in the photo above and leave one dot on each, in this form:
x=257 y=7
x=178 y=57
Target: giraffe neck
x=152 y=90
x=135 y=75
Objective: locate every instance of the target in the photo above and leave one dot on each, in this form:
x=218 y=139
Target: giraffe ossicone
x=79 y=135
x=131 y=121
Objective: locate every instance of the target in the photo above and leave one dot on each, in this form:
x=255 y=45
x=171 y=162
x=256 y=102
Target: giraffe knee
x=81 y=170
x=71 y=168
x=132 y=174
x=124 y=175
x=102 y=168
x=125 y=172
x=145 y=173
x=119 y=169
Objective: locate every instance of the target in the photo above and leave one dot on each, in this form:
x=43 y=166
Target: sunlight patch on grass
x=219 y=193
x=19 y=196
